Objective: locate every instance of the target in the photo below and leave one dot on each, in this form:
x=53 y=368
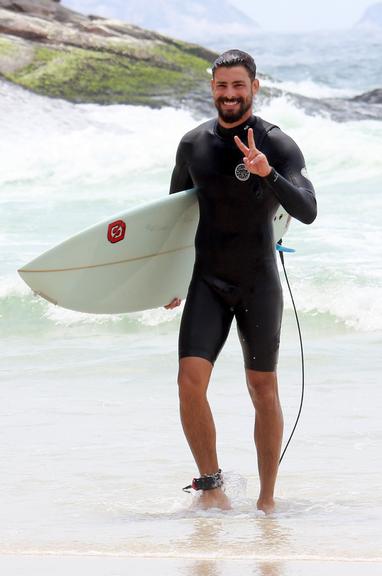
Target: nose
x=230 y=92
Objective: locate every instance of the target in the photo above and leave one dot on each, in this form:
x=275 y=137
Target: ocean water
x=93 y=456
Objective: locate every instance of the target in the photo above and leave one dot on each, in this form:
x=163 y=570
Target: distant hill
x=372 y=17
x=194 y=20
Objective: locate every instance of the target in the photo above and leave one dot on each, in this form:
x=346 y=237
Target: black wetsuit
x=235 y=272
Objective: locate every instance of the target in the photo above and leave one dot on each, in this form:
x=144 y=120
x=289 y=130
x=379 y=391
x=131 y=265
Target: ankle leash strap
x=206 y=482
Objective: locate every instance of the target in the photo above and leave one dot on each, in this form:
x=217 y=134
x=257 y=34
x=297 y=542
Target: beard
x=231 y=116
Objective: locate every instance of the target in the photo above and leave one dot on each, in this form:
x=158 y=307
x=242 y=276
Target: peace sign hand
x=255 y=161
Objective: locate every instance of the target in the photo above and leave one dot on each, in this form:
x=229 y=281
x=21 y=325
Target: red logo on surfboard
x=116 y=231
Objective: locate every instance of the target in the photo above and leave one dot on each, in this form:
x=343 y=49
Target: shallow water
x=93 y=454
x=98 y=444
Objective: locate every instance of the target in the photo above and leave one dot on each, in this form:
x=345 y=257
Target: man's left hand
x=255 y=161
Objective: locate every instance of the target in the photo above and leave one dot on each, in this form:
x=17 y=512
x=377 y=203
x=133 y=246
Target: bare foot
x=215 y=498
x=266 y=505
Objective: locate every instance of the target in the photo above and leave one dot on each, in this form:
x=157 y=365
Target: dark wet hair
x=232 y=58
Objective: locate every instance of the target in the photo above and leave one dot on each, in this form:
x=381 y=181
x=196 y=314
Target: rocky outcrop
x=372 y=97
x=55 y=51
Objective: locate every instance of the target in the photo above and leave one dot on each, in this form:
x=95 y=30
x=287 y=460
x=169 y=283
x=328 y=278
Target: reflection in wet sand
x=218 y=538
x=217 y=568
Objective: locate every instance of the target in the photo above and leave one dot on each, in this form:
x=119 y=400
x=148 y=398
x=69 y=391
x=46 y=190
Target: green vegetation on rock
x=7 y=47
x=103 y=76
x=53 y=51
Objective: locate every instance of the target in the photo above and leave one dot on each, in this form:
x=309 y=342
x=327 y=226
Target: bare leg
x=198 y=423
x=263 y=389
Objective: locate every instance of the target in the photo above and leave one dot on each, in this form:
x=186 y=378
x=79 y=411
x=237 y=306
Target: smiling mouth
x=230 y=103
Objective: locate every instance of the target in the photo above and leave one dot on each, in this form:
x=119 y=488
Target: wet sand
x=37 y=565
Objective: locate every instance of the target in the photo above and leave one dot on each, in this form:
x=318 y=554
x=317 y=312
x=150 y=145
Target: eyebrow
x=221 y=82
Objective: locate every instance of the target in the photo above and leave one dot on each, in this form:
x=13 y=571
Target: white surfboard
x=137 y=260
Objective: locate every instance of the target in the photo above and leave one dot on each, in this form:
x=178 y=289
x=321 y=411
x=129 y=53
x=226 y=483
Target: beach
x=93 y=454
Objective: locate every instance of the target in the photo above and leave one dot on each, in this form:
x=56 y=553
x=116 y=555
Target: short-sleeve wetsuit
x=235 y=272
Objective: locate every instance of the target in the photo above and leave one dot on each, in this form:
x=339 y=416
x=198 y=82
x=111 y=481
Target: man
x=244 y=168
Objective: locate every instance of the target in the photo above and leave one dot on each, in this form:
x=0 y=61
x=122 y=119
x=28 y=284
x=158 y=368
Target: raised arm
x=283 y=170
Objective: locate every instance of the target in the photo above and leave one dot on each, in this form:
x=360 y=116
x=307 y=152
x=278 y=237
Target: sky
x=302 y=15
x=290 y=15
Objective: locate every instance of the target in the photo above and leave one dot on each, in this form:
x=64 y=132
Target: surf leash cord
x=302 y=355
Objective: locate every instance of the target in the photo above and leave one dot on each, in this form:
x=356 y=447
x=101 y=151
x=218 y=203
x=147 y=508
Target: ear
x=212 y=85
x=255 y=86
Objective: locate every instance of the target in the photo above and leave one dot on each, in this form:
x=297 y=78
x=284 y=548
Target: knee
x=262 y=387
x=192 y=382
x=187 y=383
x=190 y=388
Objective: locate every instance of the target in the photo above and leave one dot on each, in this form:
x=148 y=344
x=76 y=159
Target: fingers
x=251 y=140
x=254 y=160
x=241 y=145
x=173 y=304
x=251 y=144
